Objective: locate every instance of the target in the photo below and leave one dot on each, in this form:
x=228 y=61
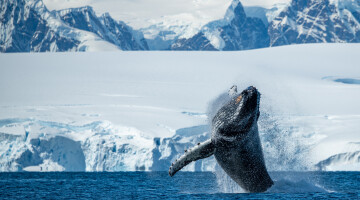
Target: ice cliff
x=32 y=145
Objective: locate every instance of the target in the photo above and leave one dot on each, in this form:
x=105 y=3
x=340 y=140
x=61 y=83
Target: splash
x=286 y=147
x=295 y=182
x=225 y=183
x=284 y=182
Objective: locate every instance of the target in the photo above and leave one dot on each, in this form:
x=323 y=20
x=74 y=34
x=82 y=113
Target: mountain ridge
x=28 y=26
x=302 y=21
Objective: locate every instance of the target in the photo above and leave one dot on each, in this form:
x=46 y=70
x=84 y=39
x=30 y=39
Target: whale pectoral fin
x=200 y=151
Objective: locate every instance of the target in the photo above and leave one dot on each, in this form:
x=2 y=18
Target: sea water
x=184 y=185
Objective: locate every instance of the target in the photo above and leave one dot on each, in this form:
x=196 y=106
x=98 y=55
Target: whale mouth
x=238 y=99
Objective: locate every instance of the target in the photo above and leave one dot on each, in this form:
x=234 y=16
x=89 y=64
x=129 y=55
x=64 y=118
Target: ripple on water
x=185 y=185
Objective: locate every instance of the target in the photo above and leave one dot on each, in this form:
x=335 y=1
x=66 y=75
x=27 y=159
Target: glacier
x=87 y=112
x=99 y=146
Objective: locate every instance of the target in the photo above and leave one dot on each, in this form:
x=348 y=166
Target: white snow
x=88 y=41
x=266 y=14
x=353 y=5
x=343 y=17
x=112 y=105
x=211 y=30
x=166 y=29
x=166 y=22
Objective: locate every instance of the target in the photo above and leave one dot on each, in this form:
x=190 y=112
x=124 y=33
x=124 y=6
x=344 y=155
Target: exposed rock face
x=28 y=26
x=24 y=29
x=303 y=21
x=124 y=36
x=316 y=21
x=105 y=27
x=235 y=32
x=198 y=42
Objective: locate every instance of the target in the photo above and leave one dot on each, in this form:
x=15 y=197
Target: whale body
x=235 y=143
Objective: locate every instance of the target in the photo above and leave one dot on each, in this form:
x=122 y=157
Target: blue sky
x=139 y=13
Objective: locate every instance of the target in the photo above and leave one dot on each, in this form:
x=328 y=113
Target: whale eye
x=238 y=99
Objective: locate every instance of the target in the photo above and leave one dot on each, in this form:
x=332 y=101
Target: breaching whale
x=235 y=143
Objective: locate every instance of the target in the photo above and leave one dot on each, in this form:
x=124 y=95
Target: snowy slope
x=317 y=21
x=117 y=33
x=164 y=31
x=296 y=22
x=29 y=26
x=139 y=110
x=267 y=15
x=235 y=31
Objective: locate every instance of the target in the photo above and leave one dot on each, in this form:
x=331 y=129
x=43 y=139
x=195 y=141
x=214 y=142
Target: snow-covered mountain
x=28 y=26
x=178 y=28
x=300 y=21
x=105 y=27
x=267 y=15
x=165 y=31
x=317 y=21
x=235 y=32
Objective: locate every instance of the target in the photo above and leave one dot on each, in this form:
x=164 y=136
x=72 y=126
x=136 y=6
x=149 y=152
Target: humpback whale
x=234 y=142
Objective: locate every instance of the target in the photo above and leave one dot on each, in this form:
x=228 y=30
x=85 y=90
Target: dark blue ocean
x=184 y=185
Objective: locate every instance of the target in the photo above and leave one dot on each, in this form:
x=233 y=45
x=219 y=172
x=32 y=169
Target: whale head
x=238 y=115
